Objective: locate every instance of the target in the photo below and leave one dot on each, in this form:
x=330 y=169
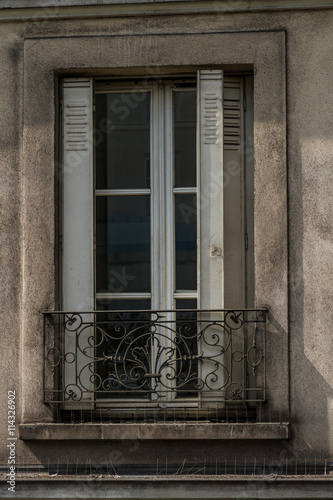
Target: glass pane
x=123 y=351
x=121 y=305
x=122 y=244
x=188 y=304
x=122 y=135
x=184 y=113
x=187 y=349
x=186 y=242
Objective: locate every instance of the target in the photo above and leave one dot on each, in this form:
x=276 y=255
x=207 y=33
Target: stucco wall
x=28 y=283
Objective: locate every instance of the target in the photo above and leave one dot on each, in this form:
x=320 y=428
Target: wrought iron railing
x=154 y=359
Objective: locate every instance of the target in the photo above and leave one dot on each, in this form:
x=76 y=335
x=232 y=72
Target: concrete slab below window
x=157 y=431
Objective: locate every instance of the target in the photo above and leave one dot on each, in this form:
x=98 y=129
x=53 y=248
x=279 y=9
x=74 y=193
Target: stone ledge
x=180 y=488
x=247 y=5
x=35 y=10
x=157 y=431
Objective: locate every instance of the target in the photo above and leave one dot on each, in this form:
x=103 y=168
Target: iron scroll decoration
x=151 y=354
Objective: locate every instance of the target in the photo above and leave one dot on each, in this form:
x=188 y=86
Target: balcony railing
x=154 y=359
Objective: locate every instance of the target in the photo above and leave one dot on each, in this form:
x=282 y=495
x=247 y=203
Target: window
x=157 y=243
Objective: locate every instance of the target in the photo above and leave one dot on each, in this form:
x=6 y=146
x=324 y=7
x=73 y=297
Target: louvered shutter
x=234 y=193
x=77 y=244
x=221 y=205
x=210 y=193
x=234 y=222
x=210 y=229
x=221 y=199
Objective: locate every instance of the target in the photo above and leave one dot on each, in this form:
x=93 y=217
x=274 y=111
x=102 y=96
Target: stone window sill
x=154 y=431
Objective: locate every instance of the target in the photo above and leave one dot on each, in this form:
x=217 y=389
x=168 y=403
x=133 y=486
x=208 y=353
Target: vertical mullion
x=198 y=197
x=169 y=285
x=161 y=195
x=158 y=211
x=169 y=200
x=155 y=202
x=198 y=168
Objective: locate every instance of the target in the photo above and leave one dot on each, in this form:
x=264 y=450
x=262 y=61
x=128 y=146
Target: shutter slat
x=232 y=112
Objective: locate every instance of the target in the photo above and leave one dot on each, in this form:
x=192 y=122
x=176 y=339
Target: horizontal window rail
x=171 y=359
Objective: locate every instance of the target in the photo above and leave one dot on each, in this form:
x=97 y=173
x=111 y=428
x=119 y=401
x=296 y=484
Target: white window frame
x=210 y=152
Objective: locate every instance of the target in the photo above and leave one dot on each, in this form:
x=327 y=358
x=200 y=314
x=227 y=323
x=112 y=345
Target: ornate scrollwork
x=127 y=356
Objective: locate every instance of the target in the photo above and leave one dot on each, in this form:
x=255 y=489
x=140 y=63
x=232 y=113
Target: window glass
x=184 y=112
x=186 y=242
x=122 y=244
x=122 y=140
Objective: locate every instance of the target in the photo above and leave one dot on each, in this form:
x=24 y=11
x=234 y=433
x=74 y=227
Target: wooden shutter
x=210 y=192
x=221 y=196
x=235 y=210
x=222 y=212
x=78 y=231
x=234 y=194
x=210 y=229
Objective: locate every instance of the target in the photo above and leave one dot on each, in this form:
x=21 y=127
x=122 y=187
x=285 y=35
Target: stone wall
x=291 y=56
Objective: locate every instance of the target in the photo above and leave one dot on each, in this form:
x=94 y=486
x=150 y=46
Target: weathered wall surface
x=309 y=41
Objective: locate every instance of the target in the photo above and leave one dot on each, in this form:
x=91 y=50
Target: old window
x=157 y=243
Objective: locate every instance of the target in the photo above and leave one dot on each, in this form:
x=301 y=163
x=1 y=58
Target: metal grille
x=162 y=360
x=210 y=467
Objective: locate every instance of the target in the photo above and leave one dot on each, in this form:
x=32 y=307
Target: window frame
x=162 y=247
x=44 y=63
x=213 y=143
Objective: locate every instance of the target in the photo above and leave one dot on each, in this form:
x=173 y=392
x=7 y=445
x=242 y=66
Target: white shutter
x=221 y=197
x=233 y=194
x=210 y=192
x=210 y=229
x=234 y=220
x=222 y=203
x=78 y=231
